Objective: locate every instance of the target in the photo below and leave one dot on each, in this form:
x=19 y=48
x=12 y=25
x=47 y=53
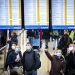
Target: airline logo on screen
x=36 y=14
x=63 y=14
x=10 y=14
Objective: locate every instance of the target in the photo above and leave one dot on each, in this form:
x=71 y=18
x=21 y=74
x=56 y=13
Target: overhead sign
x=36 y=14
x=10 y=14
x=63 y=14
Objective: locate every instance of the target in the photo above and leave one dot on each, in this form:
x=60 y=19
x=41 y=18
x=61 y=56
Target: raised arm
x=48 y=55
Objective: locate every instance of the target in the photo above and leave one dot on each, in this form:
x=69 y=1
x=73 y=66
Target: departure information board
x=63 y=14
x=36 y=14
x=10 y=14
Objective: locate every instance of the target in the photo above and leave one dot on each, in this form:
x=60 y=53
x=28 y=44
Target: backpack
x=33 y=65
x=38 y=65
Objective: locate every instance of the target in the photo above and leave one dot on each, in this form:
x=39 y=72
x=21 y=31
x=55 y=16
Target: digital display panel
x=10 y=14
x=36 y=14
x=63 y=14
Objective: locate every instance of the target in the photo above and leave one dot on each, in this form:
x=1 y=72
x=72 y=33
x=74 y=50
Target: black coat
x=70 y=58
x=11 y=59
x=30 y=60
x=57 y=64
x=46 y=34
x=64 y=43
x=6 y=63
x=13 y=40
x=30 y=33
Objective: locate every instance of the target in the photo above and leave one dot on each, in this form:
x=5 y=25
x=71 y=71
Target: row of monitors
x=36 y=14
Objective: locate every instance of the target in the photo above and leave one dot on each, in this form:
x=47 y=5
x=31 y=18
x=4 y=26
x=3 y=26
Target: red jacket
x=40 y=34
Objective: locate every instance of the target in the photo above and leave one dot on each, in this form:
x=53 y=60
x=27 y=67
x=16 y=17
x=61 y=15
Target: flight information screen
x=10 y=14
x=63 y=14
x=36 y=14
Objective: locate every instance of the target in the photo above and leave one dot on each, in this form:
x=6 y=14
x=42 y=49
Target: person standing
x=57 y=63
x=31 y=61
x=70 y=61
x=30 y=35
x=46 y=36
x=64 y=43
x=14 y=59
x=40 y=31
x=13 y=39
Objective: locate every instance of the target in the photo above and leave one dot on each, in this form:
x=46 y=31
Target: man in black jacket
x=31 y=61
x=13 y=47
x=64 y=43
x=30 y=35
x=46 y=37
x=70 y=62
x=14 y=58
x=13 y=39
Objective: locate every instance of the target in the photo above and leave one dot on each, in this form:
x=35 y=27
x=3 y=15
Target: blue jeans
x=31 y=73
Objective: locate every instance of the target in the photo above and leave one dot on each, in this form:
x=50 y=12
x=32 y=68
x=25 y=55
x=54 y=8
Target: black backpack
x=38 y=65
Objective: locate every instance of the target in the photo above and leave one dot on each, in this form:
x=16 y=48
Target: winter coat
x=30 y=33
x=70 y=59
x=56 y=64
x=13 y=40
x=30 y=61
x=11 y=59
x=64 y=43
x=46 y=34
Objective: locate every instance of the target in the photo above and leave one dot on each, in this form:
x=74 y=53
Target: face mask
x=17 y=50
x=13 y=47
x=59 y=54
x=28 y=48
x=73 y=50
x=70 y=48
